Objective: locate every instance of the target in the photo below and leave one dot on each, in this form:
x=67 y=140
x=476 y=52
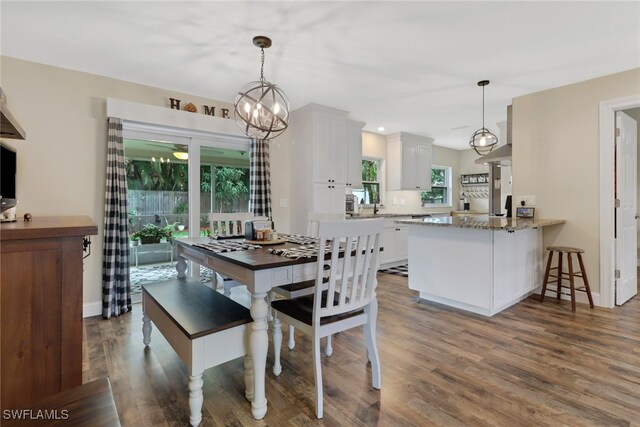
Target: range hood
x=502 y=154
x=9 y=127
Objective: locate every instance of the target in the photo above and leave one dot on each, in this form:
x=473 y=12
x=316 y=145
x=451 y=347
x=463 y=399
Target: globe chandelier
x=483 y=141
x=261 y=108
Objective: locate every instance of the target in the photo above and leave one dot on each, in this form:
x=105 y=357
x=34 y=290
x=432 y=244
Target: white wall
x=61 y=164
x=556 y=158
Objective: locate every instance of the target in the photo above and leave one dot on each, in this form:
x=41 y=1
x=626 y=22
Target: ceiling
x=407 y=66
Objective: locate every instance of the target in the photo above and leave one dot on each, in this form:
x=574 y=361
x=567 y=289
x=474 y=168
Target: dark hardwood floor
x=531 y=365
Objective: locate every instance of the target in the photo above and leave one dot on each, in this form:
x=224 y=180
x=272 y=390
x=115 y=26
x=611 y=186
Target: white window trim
x=449 y=185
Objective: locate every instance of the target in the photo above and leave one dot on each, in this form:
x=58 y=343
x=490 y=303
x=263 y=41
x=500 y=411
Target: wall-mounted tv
x=7 y=177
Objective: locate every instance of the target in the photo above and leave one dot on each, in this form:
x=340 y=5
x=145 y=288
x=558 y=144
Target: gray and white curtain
x=116 y=289
x=260 y=197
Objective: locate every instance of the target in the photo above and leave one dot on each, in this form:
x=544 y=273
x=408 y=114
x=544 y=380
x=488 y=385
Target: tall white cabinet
x=326 y=160
x=408 y=162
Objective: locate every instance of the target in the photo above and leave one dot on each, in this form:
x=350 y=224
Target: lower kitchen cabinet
x=394 y=240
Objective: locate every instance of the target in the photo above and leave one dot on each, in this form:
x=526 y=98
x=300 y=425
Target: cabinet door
x=354 y=154
x=409 y=166
x=423 y=166
x=388 y=243
x=328 y=198
x=330 y=151
x=402 y=243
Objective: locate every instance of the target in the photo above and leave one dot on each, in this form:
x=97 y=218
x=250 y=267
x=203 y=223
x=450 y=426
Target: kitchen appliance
x=507 y=206
x=351 y=204
x=8 y=170
x=9 y=127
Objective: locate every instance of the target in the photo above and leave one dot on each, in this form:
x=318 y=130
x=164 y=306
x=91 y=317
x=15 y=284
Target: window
x=440 y=194
x=370 y=192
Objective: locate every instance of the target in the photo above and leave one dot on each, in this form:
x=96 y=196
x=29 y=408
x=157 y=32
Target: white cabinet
x=325 y=158
x=354 y=154
x=408 y=162
x=394 y=241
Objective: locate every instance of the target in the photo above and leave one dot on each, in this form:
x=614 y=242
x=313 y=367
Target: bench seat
x=204 y=328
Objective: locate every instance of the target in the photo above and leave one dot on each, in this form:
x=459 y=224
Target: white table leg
x=248 y=378
x=258 y=346
x=277 y=343
x=181 y=267
x=146 y=329
x=195 y=399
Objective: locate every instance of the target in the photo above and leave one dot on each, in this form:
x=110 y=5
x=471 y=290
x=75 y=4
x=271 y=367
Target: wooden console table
x=41 y=307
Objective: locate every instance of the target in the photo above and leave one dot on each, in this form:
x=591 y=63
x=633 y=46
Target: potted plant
x=135 y=240
x=151 y=233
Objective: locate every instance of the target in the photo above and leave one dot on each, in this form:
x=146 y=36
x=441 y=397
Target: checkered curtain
x=116 y=289
x=260 y=198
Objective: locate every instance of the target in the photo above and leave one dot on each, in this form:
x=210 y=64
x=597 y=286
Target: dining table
x=260 y=270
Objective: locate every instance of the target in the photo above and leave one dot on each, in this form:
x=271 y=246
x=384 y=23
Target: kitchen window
x=370 y=191
x=440 y=194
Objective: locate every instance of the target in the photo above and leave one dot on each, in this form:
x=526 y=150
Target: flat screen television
x=7 y=177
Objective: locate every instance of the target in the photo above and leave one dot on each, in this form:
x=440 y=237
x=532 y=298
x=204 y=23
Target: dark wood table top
x=254 y=259
x=90 y=404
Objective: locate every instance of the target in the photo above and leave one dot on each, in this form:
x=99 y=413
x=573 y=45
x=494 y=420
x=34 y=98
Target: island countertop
x=483 y=223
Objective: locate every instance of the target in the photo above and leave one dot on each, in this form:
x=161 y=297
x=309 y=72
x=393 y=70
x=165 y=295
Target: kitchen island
x=478 y=264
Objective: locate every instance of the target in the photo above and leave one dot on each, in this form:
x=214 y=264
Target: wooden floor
x=531 y=365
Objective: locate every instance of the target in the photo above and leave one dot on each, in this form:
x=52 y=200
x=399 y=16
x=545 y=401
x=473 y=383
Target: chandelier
x=483 y=140
x=261 y=108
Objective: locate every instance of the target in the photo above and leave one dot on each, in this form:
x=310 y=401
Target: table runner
x=219 y=246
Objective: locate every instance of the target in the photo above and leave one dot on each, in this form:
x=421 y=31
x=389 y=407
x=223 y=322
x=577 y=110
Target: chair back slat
x=314 y=219
x=355 y=279
x=227 y=224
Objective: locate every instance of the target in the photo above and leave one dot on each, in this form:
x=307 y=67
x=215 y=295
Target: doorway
x=609 y=262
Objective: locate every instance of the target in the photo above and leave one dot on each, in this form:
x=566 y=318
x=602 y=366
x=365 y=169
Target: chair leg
x=571 y=283
x=328 y=350
x=227 y=288
x=370 y=340
x=277 y=343
x=559 y=276
x=146 y=330
x=585 y=280
x=292 y=337
x=546 y=277
x=317 y=376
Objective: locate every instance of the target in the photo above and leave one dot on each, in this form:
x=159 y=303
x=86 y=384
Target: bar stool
x=564 y=275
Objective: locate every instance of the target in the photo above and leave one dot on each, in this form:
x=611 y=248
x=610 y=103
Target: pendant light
x=261 y=108
x=483 y=140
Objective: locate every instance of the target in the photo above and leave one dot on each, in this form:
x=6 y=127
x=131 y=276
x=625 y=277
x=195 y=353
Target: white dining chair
x=226 y=225
x=348 y=301
x=306 y=288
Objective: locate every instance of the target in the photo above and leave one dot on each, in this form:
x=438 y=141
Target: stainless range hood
x=502 y=154
x=9 y=127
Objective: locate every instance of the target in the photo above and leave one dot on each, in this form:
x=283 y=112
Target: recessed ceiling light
x=381 y=129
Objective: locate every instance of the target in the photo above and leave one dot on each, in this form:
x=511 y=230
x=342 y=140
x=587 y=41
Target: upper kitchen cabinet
x=408 y=162
x=354 y=154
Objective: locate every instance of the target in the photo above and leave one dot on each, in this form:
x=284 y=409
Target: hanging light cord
x=262 y=65
x=483 y=106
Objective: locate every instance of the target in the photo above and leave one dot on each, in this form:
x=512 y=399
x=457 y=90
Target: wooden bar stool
x=560 y=275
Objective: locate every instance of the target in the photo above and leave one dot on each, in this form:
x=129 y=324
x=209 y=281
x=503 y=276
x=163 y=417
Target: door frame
x=608 y=109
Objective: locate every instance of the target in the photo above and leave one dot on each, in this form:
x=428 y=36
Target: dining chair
x=228 y=225
x=348 y=301
x=308 y=287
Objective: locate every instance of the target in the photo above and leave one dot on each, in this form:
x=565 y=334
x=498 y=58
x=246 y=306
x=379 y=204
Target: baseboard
x=91 y=309
x=581 y=297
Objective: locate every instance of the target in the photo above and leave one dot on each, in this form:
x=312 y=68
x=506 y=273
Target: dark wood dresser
x=41 y=307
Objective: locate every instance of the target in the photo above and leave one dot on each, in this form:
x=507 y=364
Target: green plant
x=181 y=208
x=152 y=233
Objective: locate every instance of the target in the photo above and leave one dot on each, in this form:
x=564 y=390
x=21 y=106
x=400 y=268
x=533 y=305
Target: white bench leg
x=181 y=267
x=146 y=329
x=195 y=399
x=277 y=343
x=328 y=349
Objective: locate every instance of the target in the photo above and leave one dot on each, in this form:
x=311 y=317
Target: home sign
x=190 y=107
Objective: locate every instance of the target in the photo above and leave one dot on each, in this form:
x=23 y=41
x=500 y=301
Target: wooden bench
x=204 y=327
x=90 y=404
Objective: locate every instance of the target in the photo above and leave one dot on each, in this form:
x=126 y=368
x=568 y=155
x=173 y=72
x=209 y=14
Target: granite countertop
x=483 y=223
x=388 y=215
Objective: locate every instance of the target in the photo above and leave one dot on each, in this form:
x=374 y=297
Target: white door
x=626 y=192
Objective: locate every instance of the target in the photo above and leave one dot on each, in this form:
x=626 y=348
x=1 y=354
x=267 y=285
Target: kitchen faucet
x=375 y=208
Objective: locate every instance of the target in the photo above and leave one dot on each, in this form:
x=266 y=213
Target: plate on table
x=266 y=242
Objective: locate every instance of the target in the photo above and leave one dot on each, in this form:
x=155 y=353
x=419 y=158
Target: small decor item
x=27 y=217
x=525 y=212
x=483 y=140
x=190 y=107
x=261 y=108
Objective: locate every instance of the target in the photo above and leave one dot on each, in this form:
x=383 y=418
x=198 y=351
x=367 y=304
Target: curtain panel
x=116 y=289
x=260 y=180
